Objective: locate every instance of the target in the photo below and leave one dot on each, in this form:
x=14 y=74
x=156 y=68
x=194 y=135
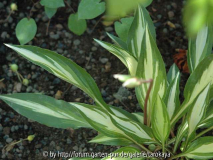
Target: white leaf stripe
x=112 y=125
x=198 y=110
x=173 y=96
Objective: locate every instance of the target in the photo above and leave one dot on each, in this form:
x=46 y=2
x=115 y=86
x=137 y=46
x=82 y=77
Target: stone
x=103 y=60
x=9 y=140
x=76 y=42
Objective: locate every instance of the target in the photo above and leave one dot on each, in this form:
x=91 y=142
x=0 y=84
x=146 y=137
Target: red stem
x=146 y=101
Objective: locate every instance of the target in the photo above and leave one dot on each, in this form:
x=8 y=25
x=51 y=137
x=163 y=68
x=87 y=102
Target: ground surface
x=85 y=52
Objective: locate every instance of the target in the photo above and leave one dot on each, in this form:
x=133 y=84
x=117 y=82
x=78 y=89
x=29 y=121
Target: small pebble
x=171 y=14
x=8 y=140
x=103 y=60
x=76 y=42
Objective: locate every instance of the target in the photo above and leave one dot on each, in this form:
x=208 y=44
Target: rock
x=21 y=15
x=103 y=60
x=69 y=141
x=171 y=14
x=29 y=89
x=25 y=127
x=10 y=20
x=4 y=35
x=33 y=67
x=12 y=129
x=45 y=18
x=94 y=48
x=59 y=50
x=9 y=140
x=52 y=144
x=56 y=81
x=75 y=148
x=6 y=130
x=76 y=42
x=68 y=35
x=59 y=27
x=122 y=94
x=38 y=146
x=54 y=36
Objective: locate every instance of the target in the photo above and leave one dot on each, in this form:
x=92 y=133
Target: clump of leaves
x=157 y=127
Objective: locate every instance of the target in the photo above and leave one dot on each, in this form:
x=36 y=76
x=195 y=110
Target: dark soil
x=168 y=40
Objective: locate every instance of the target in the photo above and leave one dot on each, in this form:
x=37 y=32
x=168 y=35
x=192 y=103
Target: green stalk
x=203 y=132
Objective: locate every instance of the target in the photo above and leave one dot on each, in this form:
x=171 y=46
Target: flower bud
x=14 y=67
x=30 y=137
x=131 y=83
x=25 y=82
x=13 y=7
x=152 y=147
x=121 y=77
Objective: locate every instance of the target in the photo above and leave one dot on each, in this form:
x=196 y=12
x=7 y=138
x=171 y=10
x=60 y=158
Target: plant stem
x=146 y=101
x=203 y=132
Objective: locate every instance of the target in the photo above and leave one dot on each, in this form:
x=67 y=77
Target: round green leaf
x=50 y=12
x=89 y=9
x=122 y=28
x=52 y=3
x=77 y=26
x=26 y=30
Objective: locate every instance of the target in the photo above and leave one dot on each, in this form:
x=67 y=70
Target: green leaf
x=137 y=31
x=118 y=41
x=125 y=57
x=115 y=11
x=46 y=110
x=26 y=30
x=89 y=9
x=114 y=126
x=196 y=14
x=102 y=139
x=201 y=148
x=182 y=131
x=63 y=68
x=125 y=153
x=173 y=71
x=160 y=121
x=208 y=120
x=172 y=96
x=151 y=66
x=200 y=47
x=77 y=26
x=50 y=12
x=199 y=106
x=197 y=81
x=52 y=3
x=122 y=27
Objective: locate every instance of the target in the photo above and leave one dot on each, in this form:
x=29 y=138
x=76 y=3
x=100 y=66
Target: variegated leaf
x=173 y=71
x=63 y=68
x=201 y=148
x=137 y=31
x=160 y=121
x=118 y=41
x=151 y=66
x=198 y=80
x=113 y=126
x=200 y=47
x=126 y=58
x=172 y=96
x=198 y=110
x=112 y=141
x=182 y=130
x=46 y=110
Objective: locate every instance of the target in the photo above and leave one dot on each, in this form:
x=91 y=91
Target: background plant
x=87 y=9
x=116 y=126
